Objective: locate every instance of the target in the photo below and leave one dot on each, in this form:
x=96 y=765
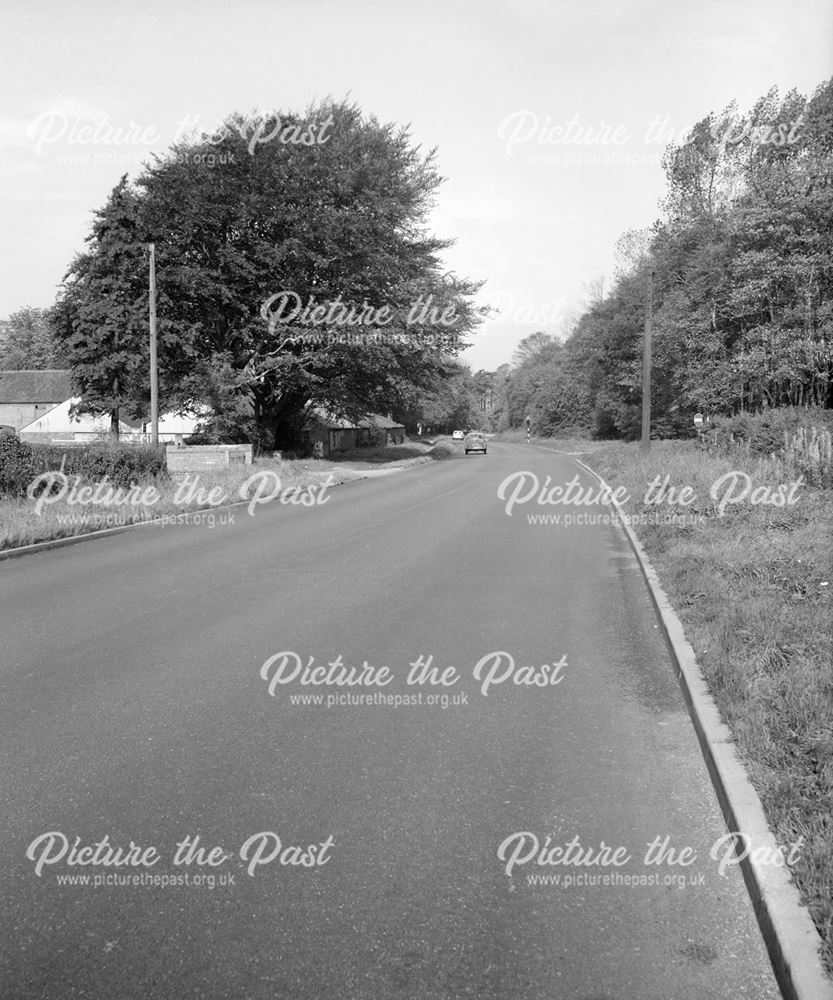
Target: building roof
x=47 y=386
x=322 y=416
x=383 y=423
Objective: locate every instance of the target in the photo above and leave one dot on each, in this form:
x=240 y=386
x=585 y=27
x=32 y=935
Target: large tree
x=101 y=314
x=269 y=216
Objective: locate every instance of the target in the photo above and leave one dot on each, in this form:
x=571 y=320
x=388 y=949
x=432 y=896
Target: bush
x=759 y=433
x=604 y=424
x=18 y=466
x=121 y=465
x=785 y=432
x=613 y=418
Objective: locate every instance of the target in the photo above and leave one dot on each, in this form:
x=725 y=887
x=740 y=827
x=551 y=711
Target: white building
x=57 y=425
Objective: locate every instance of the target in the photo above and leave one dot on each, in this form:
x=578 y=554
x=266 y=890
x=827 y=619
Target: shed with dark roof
x=335 y=434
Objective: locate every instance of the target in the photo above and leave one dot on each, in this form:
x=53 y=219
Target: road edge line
x=791 y=937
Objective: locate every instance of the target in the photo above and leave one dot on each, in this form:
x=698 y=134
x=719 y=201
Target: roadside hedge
x=18 y=466
x=120 y=464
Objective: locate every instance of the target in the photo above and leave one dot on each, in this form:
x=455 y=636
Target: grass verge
x=571 y=445
x=752 y=586
x=413 y=449
x=23 y=523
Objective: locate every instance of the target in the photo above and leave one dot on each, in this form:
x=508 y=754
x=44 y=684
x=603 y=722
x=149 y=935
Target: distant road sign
x=698 y=419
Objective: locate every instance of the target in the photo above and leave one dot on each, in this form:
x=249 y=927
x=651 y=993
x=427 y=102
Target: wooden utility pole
x=645 y=444
x=114 y=413
x=154 y=384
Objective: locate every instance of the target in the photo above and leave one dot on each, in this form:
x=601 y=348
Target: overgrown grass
x=752 y=588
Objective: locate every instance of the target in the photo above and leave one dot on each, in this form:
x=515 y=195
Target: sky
x=550 y=117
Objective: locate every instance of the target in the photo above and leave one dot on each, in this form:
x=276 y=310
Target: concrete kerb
x=790 y=935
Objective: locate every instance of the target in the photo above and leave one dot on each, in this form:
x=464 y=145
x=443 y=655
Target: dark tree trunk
x=280 y=422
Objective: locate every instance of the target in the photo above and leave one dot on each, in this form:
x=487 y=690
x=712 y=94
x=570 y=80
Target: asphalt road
x=134 y=708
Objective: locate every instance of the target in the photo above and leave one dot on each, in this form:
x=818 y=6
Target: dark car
x=475 y=442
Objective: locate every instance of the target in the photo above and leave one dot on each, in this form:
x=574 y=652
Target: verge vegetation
x=752 y=587
x=24 y=521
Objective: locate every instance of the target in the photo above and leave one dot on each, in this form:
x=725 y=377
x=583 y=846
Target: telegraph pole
x=114 y=413
x=645 y=444
x=154 y=384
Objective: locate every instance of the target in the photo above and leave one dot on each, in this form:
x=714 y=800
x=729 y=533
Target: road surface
x=359 y=850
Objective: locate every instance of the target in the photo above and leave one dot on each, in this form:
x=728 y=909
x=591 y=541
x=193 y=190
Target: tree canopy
x=256 y=227
x=742 y=259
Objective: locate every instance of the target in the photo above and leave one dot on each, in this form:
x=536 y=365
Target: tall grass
x=809 y=452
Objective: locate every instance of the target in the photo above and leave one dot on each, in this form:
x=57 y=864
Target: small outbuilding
x=335 y=434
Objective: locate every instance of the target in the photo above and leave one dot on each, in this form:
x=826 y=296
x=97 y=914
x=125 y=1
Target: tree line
x=335 y=218
x=742 y=267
